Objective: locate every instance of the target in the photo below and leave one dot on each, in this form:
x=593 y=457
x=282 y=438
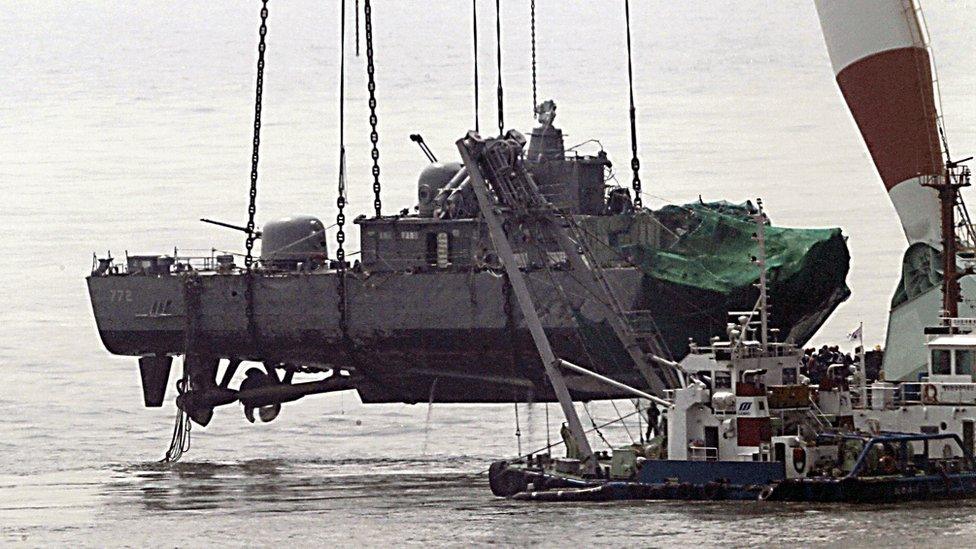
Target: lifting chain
x=634 y=161
x=535 y=100
x=252 y=207
x=341 y=239
x=341 y=200
x=498 y=40
x=371 y=86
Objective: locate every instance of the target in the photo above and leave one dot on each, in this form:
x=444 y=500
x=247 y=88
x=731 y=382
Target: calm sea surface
x=123 y=122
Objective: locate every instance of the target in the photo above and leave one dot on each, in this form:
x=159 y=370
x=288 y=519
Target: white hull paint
x=905 y=352
x=918 y=209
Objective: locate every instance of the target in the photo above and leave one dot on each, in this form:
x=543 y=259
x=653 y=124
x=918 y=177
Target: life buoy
x=930 y=394
x=505 y=482
x=487 y=260
x=799 y=459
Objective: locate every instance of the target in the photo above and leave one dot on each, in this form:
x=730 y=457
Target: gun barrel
x=230 y=226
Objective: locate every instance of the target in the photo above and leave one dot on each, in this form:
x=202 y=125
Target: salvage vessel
x=887 y=79
x=745 y=425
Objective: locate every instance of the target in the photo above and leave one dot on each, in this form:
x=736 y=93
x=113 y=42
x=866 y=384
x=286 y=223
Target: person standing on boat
x=653 y=417
x=572 y=449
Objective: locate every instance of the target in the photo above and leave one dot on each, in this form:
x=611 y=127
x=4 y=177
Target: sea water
x=124 y=122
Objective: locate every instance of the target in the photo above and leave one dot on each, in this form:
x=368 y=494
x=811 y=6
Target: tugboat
x=888 y=467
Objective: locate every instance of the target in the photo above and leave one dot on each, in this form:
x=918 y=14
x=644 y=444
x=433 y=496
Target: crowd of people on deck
x=815 y=362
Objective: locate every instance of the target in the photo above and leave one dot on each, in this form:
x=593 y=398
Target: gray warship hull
x=408 y=335
x=442 y=336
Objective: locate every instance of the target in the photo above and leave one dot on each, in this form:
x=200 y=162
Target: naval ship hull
x=412 y=337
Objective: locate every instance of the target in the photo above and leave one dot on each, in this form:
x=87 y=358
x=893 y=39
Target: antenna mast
x=956 y=176
x=760 y=218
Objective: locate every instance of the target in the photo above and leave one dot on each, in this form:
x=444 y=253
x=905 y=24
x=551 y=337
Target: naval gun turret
x=293 y=243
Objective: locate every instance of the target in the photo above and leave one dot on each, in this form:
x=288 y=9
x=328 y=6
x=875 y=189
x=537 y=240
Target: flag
x=856 y=334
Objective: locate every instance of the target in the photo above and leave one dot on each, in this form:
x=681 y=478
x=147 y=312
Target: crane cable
x=341 y=200
x=498 y=39
x=371 y=86
x=634 y=162
x=474 y=29
x=252 y=206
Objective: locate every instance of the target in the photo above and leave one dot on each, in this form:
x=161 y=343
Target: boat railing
x=896 y=453
x=916 y=392
x=195 y=259
x=702 y=453
x=750 y=349
x=963 y=323
x=182 y=260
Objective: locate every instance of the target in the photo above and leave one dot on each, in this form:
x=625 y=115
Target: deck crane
x=505 y=189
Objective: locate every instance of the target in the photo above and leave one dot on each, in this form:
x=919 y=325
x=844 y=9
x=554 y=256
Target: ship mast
x=956 y=176
x=760 y=219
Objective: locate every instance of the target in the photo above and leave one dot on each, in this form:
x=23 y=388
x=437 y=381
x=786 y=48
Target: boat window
x=789 y=376
x=964 y=362
x=723 y=380
x=941 y=362
x=431 y=251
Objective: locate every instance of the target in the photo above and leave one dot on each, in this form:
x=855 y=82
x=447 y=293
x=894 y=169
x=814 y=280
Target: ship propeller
x=256 y=379
x=268 y=413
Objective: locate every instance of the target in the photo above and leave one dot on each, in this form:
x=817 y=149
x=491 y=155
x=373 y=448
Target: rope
x=624 y=423
x=341 y=200
x=180 y=443
x=561 y=443
x=474 y=29
x=548 y=436
x=252 y=206
x=640 y=427
x=498 y=40
x=357 y=28
x=597 y=428
x=518 y=430
x=535 y=100
x=634 y=162
x=371 y=86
